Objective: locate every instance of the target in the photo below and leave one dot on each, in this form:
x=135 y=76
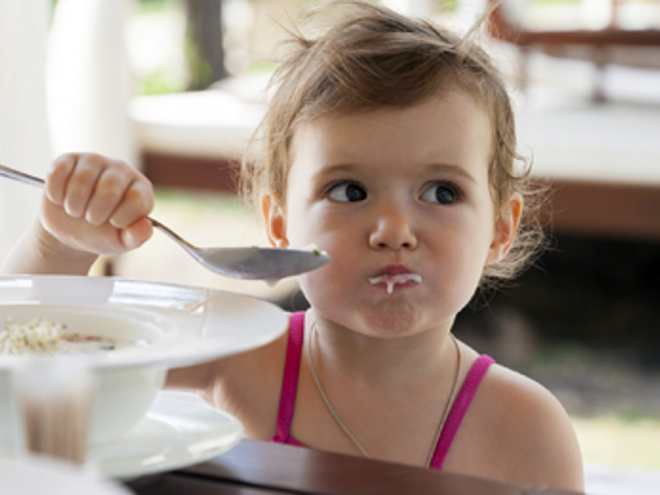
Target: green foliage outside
x=448 y=5
x=161 y=82
x=146 y=6
x=200 y=71
x=620 y=440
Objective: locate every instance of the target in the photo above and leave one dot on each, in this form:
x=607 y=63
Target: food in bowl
x=43 y=336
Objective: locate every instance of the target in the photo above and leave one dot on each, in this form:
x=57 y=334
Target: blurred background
x=176 y=87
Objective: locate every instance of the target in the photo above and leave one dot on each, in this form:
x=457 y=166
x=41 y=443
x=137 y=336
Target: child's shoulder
x=513 y=389
x=522 y=432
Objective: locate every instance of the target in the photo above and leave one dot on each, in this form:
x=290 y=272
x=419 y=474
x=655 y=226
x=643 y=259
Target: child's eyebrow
x=340 y=168
x=335 y=169
x=449 y=168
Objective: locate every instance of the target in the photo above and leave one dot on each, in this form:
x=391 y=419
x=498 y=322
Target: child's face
x=393 y=195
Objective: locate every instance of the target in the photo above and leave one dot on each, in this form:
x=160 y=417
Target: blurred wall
x=24 y=136
x=65 y=86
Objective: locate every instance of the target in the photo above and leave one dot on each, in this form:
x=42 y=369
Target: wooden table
x=262 y=468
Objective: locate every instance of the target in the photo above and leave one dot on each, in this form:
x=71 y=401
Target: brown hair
x=365 y=57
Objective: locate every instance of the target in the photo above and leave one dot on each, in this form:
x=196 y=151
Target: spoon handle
x=173 y=235
x=10 y=173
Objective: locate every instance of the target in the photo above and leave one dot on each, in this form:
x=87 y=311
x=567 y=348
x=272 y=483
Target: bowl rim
x=204 y=323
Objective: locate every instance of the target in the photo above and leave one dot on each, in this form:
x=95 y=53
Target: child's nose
x=393 y=230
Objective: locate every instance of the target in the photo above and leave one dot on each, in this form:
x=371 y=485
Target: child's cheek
x=314 y=288
x=325 y=286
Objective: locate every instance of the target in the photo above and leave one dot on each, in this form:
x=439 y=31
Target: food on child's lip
x=41 y=336
x=392 y=280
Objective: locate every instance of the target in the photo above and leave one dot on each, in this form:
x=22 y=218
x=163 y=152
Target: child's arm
x=246 y=385
x=91 y=205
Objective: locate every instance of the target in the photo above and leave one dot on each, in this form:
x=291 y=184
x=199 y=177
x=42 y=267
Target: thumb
x=137 y=233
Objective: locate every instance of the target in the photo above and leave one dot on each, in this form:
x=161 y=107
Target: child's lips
x=392 y=270
x=391 y=279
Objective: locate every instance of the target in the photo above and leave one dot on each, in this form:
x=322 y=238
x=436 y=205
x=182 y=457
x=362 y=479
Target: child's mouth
x=391 y=280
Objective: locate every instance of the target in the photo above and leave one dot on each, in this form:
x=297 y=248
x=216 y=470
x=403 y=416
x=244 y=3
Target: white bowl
x=120 y=399
x=183 y=325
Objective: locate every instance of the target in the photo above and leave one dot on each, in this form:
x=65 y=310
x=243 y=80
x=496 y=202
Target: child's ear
x=275 y=220
x=506 y=228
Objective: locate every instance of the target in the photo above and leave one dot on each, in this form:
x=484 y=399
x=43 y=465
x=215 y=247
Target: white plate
x=175 y=433
x=185 y=325
x=39 y=475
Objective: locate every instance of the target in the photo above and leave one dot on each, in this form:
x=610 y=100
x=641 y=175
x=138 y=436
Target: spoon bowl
x=248 y=263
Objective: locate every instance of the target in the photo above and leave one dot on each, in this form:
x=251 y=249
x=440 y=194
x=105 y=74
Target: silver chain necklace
x=344 y=428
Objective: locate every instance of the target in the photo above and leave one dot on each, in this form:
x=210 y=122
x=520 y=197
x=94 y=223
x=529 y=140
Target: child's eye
x=347 y=192
x=441 y=193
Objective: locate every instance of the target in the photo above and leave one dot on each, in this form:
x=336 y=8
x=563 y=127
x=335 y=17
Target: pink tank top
x=290 y=387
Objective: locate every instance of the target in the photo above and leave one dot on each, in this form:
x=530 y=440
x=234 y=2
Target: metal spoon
x=250 y=263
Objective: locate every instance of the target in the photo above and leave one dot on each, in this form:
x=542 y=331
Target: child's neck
x=373 y=362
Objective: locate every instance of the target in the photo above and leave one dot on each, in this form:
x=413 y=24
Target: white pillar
x=89 y=81
x=596 y=14
x=414 y=8
x=24 y=137
x=469 y=11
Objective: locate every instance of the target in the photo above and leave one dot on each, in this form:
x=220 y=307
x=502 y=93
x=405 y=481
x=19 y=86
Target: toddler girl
x=390 y=144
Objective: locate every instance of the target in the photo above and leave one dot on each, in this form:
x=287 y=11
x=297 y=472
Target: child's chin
x=394 y=317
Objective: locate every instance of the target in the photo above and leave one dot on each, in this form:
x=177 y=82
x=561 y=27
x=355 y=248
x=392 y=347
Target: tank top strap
x=290 y=378
x=459 y=409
